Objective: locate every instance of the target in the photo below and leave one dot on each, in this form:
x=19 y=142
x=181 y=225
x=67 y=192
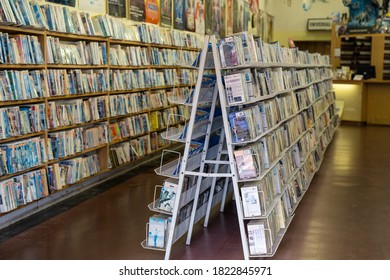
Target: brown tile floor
x=344 y=215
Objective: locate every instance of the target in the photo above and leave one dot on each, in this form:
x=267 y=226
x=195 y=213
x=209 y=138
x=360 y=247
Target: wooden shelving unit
x=372 y=94
x=102 y=151
x=359 y=50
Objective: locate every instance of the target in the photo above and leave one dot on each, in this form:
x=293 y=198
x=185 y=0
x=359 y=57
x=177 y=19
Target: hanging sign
x=319 y=24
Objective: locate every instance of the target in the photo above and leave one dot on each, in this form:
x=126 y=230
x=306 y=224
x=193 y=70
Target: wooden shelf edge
x=22 y=137
x=84 y=152
x=54 y=129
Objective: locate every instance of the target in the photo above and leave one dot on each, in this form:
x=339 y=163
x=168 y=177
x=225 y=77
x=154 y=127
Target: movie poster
x=222 y=20
x=254 y=6
x=137 y=10
x=229 y=17
x=200 y=17
x=71 y=3
x=209 y=16
x=238 y=19
x=362 y=14
x=255 y=17
x=270 y=27
x=166 y=13
x=152 y=11
x=189 y=15
x=117 y=8
x=179 y=14
x=385 y=7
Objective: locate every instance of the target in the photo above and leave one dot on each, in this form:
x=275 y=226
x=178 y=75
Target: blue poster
x=363 y=13
x=179 y=15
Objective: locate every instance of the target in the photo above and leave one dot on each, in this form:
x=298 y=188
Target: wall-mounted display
x=117 y=8
x=96 y=6
x=222 y=20
x=179 y=15
x=200 y=15
x=319 y=24
x=71 y=3
x=166 y=13
x=246 y=15
x=152 y=11
x=238 y=19
x=137 y=10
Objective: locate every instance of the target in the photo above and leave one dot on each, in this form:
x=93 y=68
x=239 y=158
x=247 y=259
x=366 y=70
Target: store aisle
x=344 y=215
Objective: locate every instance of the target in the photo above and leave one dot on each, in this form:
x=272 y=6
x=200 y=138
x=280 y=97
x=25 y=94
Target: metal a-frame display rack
x=216 y=162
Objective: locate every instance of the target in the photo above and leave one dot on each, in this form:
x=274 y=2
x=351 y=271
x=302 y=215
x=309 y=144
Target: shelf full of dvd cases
x=277 y=110
x=279 y=116
x=81 y=95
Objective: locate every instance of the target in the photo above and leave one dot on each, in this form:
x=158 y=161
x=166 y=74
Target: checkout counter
x=366 y=101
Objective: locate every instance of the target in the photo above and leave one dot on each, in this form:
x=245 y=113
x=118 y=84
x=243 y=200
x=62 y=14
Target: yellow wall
x=265 y=6
x=292 y=21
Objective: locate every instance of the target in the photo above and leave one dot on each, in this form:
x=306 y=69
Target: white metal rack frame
x=187 y=165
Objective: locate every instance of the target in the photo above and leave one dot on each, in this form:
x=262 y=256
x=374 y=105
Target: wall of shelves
x=86 y=100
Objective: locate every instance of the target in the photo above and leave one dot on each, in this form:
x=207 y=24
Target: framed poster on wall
x=200 y=20
x=189 y=7
x=319 y=24
x=209 y=17
x=152 y=11
x=70 y=3
x=117 y=8
x=179 y=15
x=216 y=14
x=222 y=20
x=166 y=13
x=229 y=17
x=137 y=10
